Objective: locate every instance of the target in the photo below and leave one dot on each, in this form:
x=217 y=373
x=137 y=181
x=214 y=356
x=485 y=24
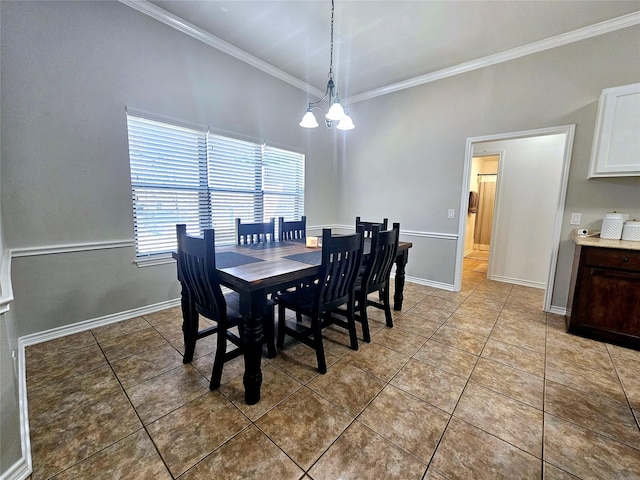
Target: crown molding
x=153 y=11
x=529 y=49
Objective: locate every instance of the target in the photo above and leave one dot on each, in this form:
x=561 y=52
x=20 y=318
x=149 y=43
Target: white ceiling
x=383 y=45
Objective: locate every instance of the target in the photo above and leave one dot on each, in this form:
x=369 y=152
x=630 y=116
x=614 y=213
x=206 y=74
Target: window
x=183 y=174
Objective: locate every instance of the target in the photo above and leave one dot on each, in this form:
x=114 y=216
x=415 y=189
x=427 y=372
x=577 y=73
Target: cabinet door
x=616 y=141
x=612 y=302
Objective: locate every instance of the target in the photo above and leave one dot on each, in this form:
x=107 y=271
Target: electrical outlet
x=576 y=218
x=451 y=213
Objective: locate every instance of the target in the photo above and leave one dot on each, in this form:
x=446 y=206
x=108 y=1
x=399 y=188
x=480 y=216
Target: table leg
x=253 y=308
x=401 y=262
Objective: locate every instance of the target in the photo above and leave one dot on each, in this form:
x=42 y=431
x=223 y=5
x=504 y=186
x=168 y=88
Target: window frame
x=219 y=159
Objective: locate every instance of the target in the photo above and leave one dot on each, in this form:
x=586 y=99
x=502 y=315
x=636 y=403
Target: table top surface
x=265 y=266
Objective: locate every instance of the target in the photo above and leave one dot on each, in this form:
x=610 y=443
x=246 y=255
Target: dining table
x=256 y=270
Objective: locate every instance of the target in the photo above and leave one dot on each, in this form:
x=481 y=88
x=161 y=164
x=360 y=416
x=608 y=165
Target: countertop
x=596 y=241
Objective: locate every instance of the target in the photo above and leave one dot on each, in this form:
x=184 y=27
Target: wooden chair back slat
x=292 y=230
x=250 y=233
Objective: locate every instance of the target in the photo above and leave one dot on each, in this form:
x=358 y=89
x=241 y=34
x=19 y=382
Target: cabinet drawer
x=611 y=258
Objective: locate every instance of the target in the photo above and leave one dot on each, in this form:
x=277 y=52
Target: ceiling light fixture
x=336 y=111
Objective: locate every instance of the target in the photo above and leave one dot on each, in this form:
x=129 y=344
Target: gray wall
x=411 y=144
x=69 y=69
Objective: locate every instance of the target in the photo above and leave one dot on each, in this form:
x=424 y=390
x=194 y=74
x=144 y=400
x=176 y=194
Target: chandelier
x=336 y=112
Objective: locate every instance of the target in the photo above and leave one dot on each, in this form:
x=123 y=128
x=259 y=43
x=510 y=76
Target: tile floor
x=480 y=384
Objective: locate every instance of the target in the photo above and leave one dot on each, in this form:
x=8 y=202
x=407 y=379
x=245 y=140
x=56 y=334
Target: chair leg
x=364 y=320
x=190 y=331
x=387 y=308
x=218 y=362
x=269 y=334
x=281 y=325
x=351 y=323
x=319 y=347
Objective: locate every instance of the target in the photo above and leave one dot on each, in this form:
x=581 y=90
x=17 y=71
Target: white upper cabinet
x=616 y=141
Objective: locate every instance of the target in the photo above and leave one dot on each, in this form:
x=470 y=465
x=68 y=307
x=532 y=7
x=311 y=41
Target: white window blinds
x=185 y=175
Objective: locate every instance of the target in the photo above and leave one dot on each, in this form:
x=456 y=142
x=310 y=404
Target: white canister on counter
x=631 y=231
x=612 y=226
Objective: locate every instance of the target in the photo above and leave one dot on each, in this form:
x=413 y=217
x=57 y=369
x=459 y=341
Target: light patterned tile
x=134 y=454
x=469 y=452
x=362 y=454
x=460 y=339
x=304 y=425
x=510 y=420
x=399 y=340
x=119 y=329
x=45 y=369
x=441 y=389
x=82 y=432
x=53 y=401
x=406 y=421
x=347 y=386
x=160 y=395
x=514 y=383
x=276 y=386
x=377 y=360
x=587 y=454
x=299 y=361
x=595 y=412
x=524 y=338
x=521 y=358
x=477 y=325
x=447 y=358
x=187 y=435
x=135 y=342
x=147 y=364
x=232 y=460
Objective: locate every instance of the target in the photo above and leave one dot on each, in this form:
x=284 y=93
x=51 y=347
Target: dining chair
x=368 y=226
x=376 y=277
x=249 y=233
x=334 y=287
x=199 y=278
x=292 y=230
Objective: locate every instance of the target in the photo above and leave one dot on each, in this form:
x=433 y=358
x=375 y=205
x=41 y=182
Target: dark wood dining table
x=257 y=270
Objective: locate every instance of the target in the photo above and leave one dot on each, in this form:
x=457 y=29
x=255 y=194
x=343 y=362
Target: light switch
x=576 y=218
x=452 y=213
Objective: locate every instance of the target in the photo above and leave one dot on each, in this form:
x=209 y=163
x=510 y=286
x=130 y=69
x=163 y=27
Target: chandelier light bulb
x=336 y=112
x=309 y=120
x=346 y=123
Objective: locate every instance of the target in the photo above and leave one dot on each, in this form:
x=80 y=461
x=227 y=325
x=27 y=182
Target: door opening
x=529 y=206
x=479 y=222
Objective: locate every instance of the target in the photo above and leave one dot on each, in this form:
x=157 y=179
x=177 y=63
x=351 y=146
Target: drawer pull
x=625 y=260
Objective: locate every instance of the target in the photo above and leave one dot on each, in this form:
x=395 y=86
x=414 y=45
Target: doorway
x=479 y=222
x=531 y=190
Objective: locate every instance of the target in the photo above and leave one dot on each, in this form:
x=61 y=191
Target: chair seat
x=301 y=299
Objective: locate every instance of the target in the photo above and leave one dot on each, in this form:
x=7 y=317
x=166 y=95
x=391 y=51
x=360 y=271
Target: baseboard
x=58 y=332
x=18 y=471
x=430 y=283
x=517 y=281
x=558 y=310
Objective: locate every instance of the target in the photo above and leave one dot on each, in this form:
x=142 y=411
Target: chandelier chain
x=331 y=55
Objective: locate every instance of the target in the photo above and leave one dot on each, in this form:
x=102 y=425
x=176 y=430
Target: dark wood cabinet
x=605 y=294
